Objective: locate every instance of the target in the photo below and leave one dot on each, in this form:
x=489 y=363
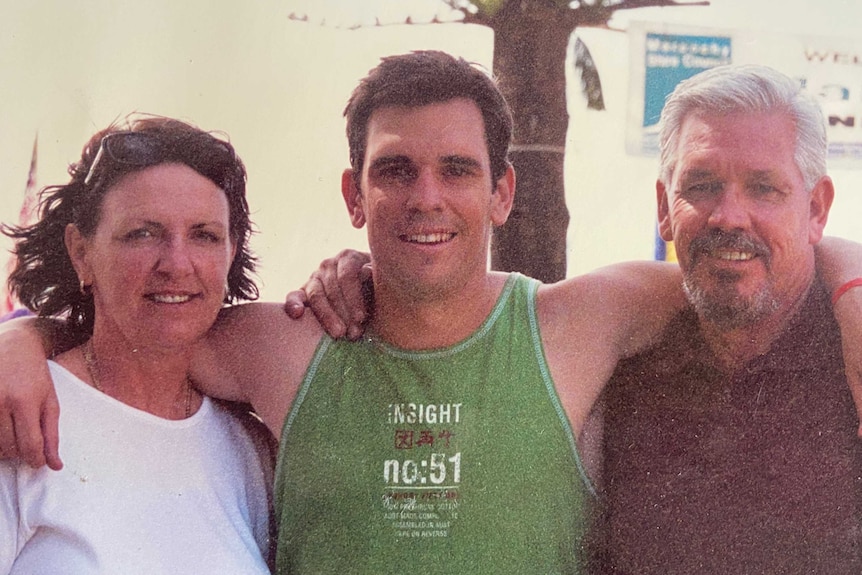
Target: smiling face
x=159 y=257
x=427 y=196
x=741 y=219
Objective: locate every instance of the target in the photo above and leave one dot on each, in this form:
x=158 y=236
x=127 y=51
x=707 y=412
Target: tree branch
x=599 y=13
x=474 y=16
x=630 y=4
x=458 y=7
x=595 y=13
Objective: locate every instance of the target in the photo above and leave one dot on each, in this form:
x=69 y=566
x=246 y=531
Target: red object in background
x=25 y=215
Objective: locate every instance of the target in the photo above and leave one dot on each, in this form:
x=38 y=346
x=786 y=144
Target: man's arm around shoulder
x=839 y=263
x=255 y=353
x=590 y=322
x=29 y=411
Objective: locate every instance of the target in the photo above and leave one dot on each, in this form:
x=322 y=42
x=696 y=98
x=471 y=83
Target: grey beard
x=729 y=314
x=722 y=309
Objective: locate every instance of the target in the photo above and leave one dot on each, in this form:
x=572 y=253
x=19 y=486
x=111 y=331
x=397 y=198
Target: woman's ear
x=77 y=246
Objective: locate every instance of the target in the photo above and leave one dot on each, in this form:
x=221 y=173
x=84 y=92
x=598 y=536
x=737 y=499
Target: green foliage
x=488 y=8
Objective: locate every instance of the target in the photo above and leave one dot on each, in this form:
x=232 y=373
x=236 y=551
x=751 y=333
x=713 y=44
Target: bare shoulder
x=618 y=300
x=264 y=353
x=579 y=342
x=590 y=322
x=264 y=321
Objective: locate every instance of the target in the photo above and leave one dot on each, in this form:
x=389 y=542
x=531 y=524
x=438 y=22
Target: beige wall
x=278 y=87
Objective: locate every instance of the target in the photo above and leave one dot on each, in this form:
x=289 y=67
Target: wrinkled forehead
x=745 y=136
x=169 y=191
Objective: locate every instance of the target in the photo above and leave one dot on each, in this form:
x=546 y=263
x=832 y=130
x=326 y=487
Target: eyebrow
x=159 y=225
x=754 y=175
x=696 y=174
x=763 y=175
x=386 y=161
x=401 y=160
x=464 y=161
x=216 y=224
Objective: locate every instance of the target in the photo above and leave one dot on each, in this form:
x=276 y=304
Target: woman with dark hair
x=138 y=252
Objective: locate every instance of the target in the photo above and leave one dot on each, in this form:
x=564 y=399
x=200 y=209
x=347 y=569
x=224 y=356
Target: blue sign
x=670 y=59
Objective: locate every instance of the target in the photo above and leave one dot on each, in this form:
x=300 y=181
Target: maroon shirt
x=755 y=472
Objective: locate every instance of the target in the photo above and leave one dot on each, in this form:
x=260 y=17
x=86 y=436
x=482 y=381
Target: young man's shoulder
x=267 y=322
x=266 y=353
x=608 y=291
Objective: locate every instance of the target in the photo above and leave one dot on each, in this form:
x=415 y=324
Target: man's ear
x=664 y=227
x=76 y=246
x=352 y=198
x=819 y=205
x=503 y=197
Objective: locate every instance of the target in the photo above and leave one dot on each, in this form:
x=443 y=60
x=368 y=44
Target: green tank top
x=456 y=460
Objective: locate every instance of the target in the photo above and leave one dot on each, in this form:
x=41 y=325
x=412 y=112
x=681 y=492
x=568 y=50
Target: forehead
x=165 y=192
x=746 y=141
x=451 y=128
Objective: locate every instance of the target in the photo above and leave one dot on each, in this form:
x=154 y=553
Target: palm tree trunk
x=530 y=45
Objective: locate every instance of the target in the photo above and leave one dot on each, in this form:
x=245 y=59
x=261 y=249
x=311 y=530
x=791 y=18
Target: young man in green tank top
x=444 y=440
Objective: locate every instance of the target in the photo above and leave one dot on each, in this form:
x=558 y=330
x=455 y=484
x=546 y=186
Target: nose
x=731 y=209
x=426 y=193
x=174 y=257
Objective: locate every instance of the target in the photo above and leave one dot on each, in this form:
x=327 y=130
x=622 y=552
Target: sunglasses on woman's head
x=144 y=149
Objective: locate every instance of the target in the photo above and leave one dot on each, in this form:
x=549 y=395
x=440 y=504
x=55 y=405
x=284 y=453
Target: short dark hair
x=428 y=77
x=44 y=279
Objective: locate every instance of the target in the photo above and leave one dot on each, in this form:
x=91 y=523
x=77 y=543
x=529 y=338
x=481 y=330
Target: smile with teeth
x=733 y=256
x=435 y=238
x=169 y=298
